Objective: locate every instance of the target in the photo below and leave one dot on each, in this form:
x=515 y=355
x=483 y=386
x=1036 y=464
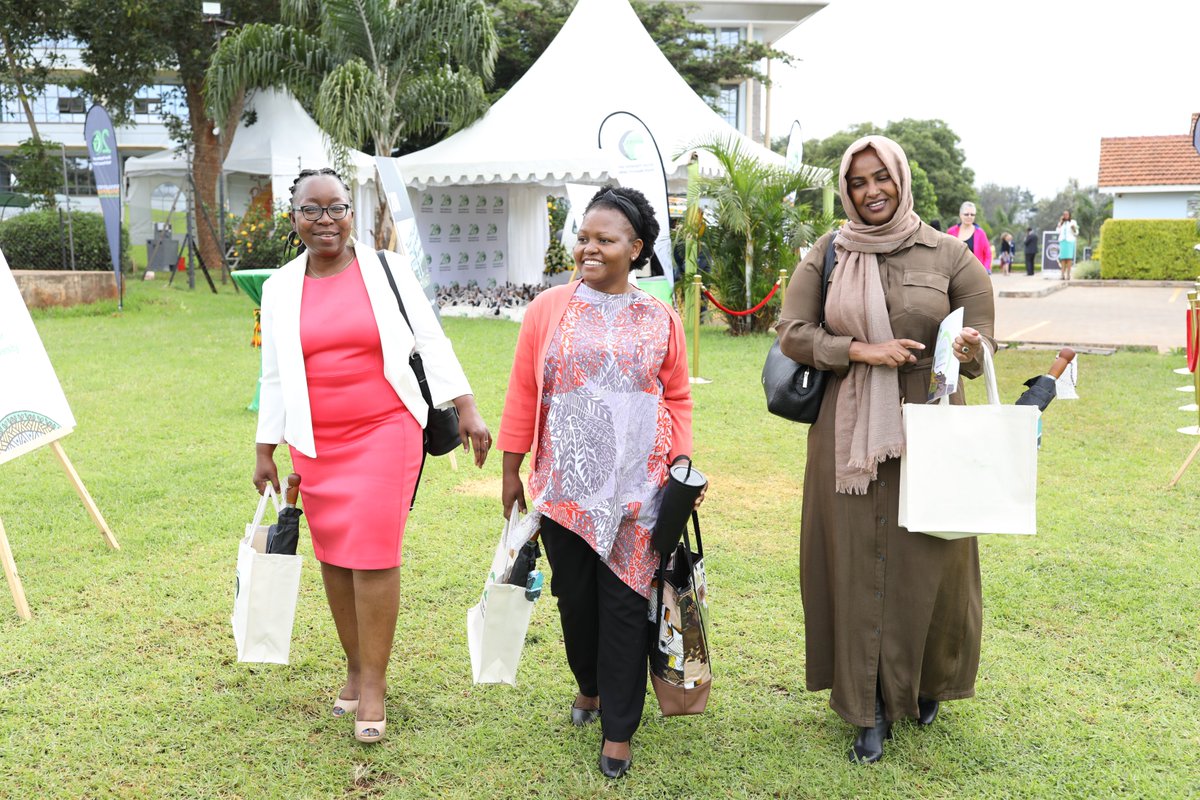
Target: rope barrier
x=747 y=312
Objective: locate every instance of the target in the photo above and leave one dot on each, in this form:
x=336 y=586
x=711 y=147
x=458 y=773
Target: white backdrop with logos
x=465 y=233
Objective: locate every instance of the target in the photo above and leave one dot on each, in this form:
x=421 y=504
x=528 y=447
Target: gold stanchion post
x=697 y=287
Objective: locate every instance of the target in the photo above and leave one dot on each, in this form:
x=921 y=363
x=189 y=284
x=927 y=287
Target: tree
x=930 y=143
x=1005 y=208
x=754 y=228
x=128 y=43
x=370 y=71
x=528 y=26
x=27 y=63
x=1089 y=208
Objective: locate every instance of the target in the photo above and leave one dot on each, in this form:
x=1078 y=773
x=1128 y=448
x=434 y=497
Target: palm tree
x=755 y=228
x=371 y=71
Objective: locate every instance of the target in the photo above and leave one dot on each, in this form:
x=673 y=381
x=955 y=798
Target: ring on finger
x=966 y=349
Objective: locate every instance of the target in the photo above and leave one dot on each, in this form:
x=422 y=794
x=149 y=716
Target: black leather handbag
x=441 y=429
x=794 y=391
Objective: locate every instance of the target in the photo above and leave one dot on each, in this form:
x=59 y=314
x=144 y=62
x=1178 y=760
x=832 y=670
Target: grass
x=125 y=683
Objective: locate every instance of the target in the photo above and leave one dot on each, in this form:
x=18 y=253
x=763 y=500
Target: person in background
x=1068 y=232
x=972 y=235
x=892 y=617
x=599 y=394
x=337 y=387
x=1031 y=246
x=1008 y=249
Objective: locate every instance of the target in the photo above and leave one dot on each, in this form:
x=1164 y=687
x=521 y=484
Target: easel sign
x=33 y=411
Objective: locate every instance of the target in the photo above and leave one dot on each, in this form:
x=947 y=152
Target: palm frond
x=350 y=103
x=261 y=56
x=462 y=31
x=449 y=99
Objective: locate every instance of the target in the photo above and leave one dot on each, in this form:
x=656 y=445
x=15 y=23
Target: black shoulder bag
x=793 y=390
x=441 y=429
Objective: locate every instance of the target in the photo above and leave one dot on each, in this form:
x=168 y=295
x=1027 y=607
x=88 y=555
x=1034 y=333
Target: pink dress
x=358 y=489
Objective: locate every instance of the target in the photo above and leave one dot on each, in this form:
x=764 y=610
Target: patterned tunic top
x=605 y=432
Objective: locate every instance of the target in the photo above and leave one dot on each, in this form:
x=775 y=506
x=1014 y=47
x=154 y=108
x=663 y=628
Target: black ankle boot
x=928 y=711
x=868 y=746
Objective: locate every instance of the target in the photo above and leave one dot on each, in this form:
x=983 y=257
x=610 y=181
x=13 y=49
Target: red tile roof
x=1150 y=160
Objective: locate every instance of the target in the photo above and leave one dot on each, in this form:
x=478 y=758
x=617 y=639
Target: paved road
x=1087 y=315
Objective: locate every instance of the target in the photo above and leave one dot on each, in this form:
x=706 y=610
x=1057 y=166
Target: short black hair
x=305 y=174
x=637 y=210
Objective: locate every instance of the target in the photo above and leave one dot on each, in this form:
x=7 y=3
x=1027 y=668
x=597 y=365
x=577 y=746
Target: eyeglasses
x=965 y=214
x=313 y=213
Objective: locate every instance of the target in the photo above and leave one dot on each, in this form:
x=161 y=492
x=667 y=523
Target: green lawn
x=125 y=683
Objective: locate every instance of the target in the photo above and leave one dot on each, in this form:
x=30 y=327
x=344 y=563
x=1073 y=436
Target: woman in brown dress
x=892 y=618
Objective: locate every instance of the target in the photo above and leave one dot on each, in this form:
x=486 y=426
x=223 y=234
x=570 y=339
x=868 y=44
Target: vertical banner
x=33 y=409
x=106 y=169
x=1049 y=252
x=465 y=233
x=795 y=148
x=637 y=163
x=408 y=233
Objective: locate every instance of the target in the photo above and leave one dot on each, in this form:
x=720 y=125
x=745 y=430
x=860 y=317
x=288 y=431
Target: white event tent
x=543 y=133
x=265 y=155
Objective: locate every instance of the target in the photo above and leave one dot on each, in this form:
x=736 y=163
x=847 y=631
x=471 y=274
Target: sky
x=1029 y=86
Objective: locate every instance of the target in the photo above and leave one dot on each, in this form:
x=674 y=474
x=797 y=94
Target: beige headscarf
x=868 y=427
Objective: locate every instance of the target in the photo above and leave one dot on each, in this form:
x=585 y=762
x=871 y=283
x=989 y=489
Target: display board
x=33 y=409
x=465 y=233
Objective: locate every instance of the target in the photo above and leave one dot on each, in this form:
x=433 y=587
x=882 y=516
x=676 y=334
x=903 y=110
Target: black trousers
x=604 y=627
x=1029 y=263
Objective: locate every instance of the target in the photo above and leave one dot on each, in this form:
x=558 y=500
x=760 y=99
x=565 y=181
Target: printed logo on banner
x=497 y=256
x=491 y=232
x=426 y=202
x=435 y=233
x=630 y=145
x=481 y=259
x=444 y=262
x=444 y=203
x=455 y=233
x=480 y=202
x=464 y=260
x=464 y=204
x=498 y=205
x=473 y=232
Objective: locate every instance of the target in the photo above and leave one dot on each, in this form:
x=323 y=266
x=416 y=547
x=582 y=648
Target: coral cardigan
x=523 y=402
x=980 y=245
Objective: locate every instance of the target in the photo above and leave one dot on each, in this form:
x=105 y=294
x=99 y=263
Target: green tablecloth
x=251 y=282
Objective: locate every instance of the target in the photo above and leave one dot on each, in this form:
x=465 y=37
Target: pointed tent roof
x=544 y=129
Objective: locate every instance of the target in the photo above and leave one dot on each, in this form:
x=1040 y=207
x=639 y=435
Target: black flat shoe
x=614 y=767
x=868 y=745
x=928 y=711
x=584 y=716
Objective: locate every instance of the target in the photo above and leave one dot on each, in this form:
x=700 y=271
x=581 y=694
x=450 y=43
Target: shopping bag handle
x=268 y=494
x=989 y=378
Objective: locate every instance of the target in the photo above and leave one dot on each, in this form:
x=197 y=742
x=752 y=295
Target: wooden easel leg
x=1187 y=463
x=14 y=580
x=453 y=460
x=82 y=491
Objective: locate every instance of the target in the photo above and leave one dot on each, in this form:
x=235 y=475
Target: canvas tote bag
x=497 y=624
x=265 y=590
x=680 y=658
x=969 y=470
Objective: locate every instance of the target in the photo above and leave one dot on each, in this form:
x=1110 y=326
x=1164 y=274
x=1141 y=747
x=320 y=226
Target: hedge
x=35 y=240
x=1149 y=249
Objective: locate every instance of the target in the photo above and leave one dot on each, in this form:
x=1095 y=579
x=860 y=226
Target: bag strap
x=414 y=362
x=830 y=263
x=268 y=494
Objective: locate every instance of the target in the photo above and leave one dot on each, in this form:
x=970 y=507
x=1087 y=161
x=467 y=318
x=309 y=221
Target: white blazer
x=283 y=410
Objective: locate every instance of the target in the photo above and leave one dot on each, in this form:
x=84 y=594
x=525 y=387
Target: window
x=729 y=102
x=71 y=105
x=147 y=105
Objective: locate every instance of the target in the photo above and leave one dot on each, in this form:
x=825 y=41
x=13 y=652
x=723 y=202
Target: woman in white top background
x=1068 y=231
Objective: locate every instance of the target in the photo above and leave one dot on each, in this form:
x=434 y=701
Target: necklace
x=309 y=272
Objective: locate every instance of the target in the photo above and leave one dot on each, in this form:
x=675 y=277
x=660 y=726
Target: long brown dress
x=879 y=600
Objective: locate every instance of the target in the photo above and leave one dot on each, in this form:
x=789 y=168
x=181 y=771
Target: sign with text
x=637 y=164
x=465 y=233
x=33 y=409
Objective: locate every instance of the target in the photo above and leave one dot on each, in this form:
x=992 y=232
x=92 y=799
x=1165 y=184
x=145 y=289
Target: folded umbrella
x=1042 y=388
x=284 y=535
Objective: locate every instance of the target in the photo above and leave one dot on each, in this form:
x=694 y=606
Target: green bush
x=1149 y=249
x=259 y=239
x=35 y=240
x=1086 y=270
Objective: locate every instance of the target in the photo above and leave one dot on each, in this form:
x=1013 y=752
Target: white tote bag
x=969 y=470
x=265 y=591
x=497 y=624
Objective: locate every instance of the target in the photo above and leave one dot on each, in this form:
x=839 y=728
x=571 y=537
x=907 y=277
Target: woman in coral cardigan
x=599 y=394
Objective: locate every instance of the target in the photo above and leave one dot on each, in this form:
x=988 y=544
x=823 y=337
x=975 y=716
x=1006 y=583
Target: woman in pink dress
x=337 y=387
x=599 y=395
